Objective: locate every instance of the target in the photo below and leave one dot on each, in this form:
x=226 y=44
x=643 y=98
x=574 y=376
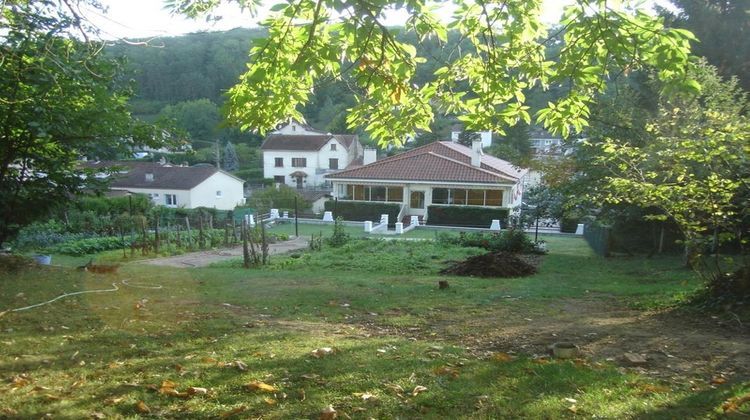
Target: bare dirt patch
x=674 y=344
x=205 y=258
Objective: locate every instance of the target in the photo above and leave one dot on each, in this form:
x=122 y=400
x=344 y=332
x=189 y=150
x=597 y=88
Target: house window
x=279 y=179
x=494 y=198
x=470 y=197
x=440 y=196
x=458 y=197
x=333 y=147
x=377 y=193
x=395 y=194
x=171 y=199
x=476 y=198
x=218 y=194
x=372 y=193
x=333 y=163
x=279 y=162
x=299 y=162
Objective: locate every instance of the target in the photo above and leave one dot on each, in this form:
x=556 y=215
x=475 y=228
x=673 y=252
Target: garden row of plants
x=95 y=224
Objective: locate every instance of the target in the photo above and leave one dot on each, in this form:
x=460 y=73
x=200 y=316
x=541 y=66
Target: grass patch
x=375 y=302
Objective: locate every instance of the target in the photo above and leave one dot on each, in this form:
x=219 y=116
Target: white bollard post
x=328 y=216
x=579 y=229
x=414 y=221
x=495 y=224
x=286 y=215
x=274 y=214
x=384 y=219
x=399 y=228
x=368 y=226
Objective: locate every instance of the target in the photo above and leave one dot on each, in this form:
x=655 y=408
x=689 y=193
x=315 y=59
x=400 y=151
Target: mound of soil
x=492 y=264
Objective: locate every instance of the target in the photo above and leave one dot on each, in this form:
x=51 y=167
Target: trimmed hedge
x=363 y=210
x=468 y=216
x=568 y=225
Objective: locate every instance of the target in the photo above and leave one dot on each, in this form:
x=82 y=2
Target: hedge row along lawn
x=361 y=330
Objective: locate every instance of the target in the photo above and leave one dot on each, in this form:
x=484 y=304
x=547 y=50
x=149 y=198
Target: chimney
x=476 y=152
x=371 y=155
x=149 y=177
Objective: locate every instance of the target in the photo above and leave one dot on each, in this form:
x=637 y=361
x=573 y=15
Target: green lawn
x=373 y=302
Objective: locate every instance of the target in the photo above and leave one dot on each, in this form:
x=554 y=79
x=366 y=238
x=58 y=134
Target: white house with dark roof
x=440 y=173
x=300 y=156
x=177 y=186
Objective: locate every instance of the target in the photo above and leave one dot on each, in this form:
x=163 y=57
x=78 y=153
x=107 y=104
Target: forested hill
x=189 y=67
x=184 y=78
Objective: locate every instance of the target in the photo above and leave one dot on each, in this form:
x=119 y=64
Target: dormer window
x=149 y=177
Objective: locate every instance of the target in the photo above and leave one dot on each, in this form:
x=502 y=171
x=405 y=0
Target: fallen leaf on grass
x=168 y=384
x=170 y=388
x=366 y=396
x=260 y=386
x=19 y=381
x=98 y=416
x=655 y=389
x=734 y=404
x=446 y=370
x=195 y=390
x=322 y=352
x=718 y=380
x=233 y=412
x=573 y=409
x=418 y=389
x=502 y=357
x=310 y=376
x=395 y=388
x=209 y=360
x=328 y=413
x=142 y=408
x=270 y=401
x=239 y=365
x=113 y=400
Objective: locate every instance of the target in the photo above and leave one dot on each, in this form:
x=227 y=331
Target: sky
x=147 y=18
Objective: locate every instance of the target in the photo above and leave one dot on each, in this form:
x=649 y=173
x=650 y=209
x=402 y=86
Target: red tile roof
x=437 y=162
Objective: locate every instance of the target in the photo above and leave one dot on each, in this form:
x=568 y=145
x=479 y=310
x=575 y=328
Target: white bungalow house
x=442 y=173
x=178 y=186
x=300 y=156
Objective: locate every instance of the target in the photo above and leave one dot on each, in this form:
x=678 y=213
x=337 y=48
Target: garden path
x=204 y=258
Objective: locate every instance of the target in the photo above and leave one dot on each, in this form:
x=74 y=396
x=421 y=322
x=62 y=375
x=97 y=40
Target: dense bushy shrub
x=511 y=240
x=363 y=210
x=281 y=198
x=472 y=216
x=253 y=175
x=568 y=225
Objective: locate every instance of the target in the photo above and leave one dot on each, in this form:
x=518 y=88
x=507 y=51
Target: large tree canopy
x=723 y=27
x=691 y=167
x=59 y=101
x=502 y=56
